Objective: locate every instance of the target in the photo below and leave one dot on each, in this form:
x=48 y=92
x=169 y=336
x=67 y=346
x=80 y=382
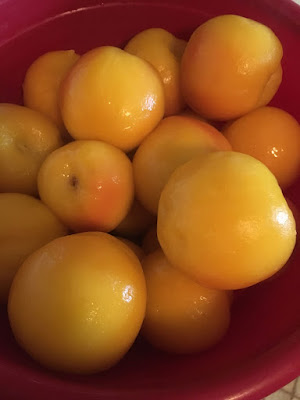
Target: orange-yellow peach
x=26 y=225
x=26 y=138
x=136 y=222
x=77 y=304
x=113 y=96
x=42 y=82
x=164 y=51
x=273 y=137
x=181 y=316
x=223 y=220
x=231 y=65
x=175 y=141
x=88 y=184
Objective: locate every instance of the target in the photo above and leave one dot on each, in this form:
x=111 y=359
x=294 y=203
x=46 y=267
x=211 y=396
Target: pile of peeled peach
x=139 y=188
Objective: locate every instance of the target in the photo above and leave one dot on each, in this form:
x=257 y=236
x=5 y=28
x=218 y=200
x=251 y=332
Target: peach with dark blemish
x=88 y=185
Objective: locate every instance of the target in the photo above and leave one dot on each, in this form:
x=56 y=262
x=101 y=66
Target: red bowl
x=261 y=351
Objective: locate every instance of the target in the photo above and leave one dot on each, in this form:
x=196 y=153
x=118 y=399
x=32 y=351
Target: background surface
x=290 y=391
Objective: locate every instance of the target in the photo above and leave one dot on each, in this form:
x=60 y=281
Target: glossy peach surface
x=223 y=220
x=113 y=96
x=26 y=225
x=88 y=185
x=231 y=66
x=164 y=51
x=272 y=136
x=42 y=82
x=72 y=298
x=175 y=140
x=181 y=316
x=26 y=138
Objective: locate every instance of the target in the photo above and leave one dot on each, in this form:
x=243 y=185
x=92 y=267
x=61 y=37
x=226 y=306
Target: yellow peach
x=88 y=184
x=175 y=141
x=26 y=225
x=164 y=51
x=42 y=83
x=223 y=220
x=113 y=96
x=77 y=304
x=273 y=137
x=181 y=316
x=26 y=138
x=231 y=65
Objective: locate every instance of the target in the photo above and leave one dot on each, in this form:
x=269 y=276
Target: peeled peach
x=113 y=96
x=181 y=316
x=164 y=51
x=26 y=225
x=223 y=220
x=272 y=136
x=77 y=304
x=26 y=138
x=231 y=65
x=88 y=184
x=42 y=82
x=175 y=140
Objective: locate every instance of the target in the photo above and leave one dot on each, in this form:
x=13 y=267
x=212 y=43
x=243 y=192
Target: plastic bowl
x=261 y=351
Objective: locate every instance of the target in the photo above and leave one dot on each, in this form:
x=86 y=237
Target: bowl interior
x=261 y=351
